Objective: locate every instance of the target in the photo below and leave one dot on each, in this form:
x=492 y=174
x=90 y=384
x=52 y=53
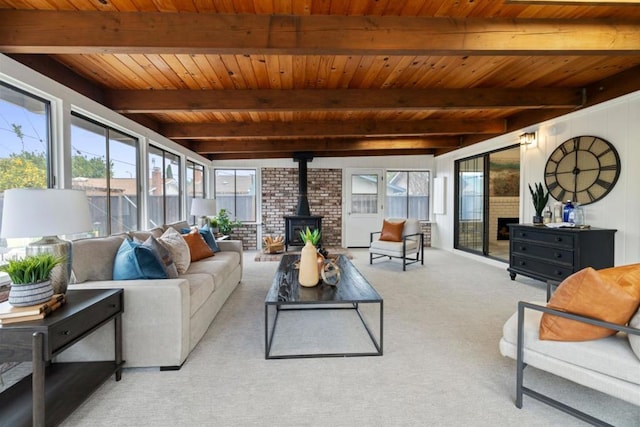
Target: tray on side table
x=54 y=390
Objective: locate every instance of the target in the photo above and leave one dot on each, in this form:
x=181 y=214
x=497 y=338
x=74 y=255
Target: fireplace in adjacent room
x=294 y=224
x=503 y=229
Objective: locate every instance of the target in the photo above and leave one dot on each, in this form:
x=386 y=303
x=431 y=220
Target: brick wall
x=501 y=207
x=248 y=233
x=280 y=197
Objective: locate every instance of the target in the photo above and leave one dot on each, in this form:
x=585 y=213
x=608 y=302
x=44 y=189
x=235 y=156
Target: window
x=235 y=191
x=408 y=194
x=104 y=163
x=364 y=193
x=25 y=158
x=195 y=183
x=163 y=200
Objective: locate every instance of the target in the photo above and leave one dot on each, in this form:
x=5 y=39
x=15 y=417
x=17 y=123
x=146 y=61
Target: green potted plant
x=213 y=223
x=313 y=236
x=540 y=199
x=225 y=225
x=31 y=278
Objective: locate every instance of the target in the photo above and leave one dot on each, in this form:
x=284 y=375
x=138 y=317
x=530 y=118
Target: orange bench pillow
x=607 y=296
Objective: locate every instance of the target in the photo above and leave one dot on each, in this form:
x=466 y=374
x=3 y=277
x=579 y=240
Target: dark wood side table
x=54 y=390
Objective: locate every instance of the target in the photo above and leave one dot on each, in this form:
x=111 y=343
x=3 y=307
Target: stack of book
x=10 y=314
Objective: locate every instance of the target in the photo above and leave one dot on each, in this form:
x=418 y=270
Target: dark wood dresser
x=546 y=253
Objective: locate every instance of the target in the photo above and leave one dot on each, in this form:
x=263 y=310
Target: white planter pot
x=30 y=294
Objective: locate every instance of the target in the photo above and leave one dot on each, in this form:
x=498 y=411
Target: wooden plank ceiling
x=234 y=79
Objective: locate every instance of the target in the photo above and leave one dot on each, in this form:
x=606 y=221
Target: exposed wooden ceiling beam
x=322 y=145
x=269 y=100
x=40 y=31
x=291 y=154
x=329 y=128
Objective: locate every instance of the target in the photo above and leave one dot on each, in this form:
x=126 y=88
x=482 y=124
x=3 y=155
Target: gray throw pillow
x=164 y=255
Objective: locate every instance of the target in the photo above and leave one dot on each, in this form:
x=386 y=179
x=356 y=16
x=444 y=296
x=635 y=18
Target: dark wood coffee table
x=286 y=294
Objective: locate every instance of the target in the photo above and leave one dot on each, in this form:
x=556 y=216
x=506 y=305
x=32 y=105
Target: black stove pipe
x=303 y=201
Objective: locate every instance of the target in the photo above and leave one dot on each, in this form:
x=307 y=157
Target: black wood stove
x=294 y=224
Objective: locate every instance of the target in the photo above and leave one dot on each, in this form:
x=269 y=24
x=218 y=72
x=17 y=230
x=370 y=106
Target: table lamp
x=46 y=213
x=203 y=208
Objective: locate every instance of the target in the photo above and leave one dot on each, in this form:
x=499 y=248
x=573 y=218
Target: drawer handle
x=558 y=255
x=523 y=234
x=113 y=305
x=65 y=333
x=558 y=239
x=558 y=273
x=523 y=248
x=522 y=263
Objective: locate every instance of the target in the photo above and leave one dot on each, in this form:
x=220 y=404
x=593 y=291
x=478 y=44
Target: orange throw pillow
x=197 y=246
x=392 y=231
x=587 y=293
x=626 y=276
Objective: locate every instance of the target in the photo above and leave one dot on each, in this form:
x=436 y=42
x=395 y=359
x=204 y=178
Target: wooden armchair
x=409 y=247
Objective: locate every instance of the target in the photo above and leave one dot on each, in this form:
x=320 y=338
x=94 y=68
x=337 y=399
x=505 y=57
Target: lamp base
x=61 y=273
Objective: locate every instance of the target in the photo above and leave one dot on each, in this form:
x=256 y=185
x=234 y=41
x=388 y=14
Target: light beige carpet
x=441 y=364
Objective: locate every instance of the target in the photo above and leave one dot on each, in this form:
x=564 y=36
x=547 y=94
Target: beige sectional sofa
x=163 y=319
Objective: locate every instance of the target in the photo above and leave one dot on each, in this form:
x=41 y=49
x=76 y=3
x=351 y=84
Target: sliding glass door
x=487 y=200
x=470 y=200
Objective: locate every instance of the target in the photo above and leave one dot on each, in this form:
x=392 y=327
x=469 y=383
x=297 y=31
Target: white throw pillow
x=634 y=340
x=177 y=246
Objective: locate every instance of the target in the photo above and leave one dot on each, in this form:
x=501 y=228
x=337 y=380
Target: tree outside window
x=25 y=121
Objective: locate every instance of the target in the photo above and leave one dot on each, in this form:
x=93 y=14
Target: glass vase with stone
x=47 y=213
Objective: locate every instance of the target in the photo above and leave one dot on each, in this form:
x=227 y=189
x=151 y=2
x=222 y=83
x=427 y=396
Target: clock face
x=582 y=169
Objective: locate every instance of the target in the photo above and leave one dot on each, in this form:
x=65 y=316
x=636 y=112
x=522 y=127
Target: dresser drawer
x=540 y=268
x=554 y=254
x=558 y=239
x=66 y=332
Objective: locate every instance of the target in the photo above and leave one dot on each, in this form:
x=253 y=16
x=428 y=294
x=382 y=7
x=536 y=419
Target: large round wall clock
x=583 y=169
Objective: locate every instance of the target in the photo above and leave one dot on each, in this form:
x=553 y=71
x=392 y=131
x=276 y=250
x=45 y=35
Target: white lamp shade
x=203 y=207
x=31 y=212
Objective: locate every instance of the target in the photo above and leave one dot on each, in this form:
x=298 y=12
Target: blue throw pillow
x=206 y=233
x=125 y=265
x=135 y=261
x=163 y=255
x=209 y=238
x=150 y=263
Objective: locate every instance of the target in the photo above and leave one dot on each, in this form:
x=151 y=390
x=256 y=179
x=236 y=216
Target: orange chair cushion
x=392 y=231
x=591 y=294
x=197 y=246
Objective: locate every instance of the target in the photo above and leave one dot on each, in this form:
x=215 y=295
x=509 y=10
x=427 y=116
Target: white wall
x=617 y=121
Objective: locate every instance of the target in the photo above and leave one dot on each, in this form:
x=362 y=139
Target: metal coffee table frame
x=353 y=290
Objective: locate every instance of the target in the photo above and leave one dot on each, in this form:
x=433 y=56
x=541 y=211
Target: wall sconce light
x=528 y=138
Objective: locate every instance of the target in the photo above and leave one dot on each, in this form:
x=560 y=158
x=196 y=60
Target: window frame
x=181 y=187
x=233 y=214
x=49 y=154
x=193 y=165
x=428 y=187
x=137 y=146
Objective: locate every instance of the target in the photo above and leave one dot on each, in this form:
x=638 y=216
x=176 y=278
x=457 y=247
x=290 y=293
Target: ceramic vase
x=308 y=273
x=30 y=294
